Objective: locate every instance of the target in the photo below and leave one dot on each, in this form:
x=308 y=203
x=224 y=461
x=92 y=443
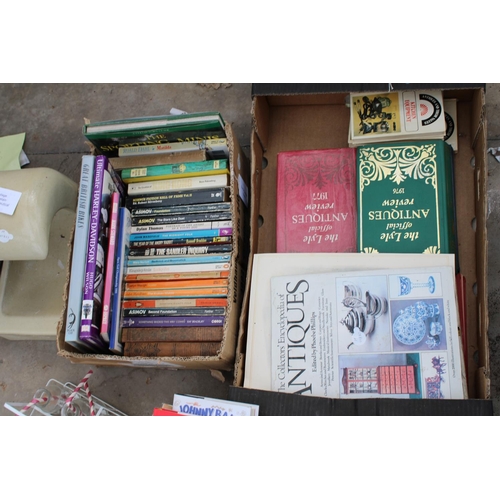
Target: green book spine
x=177 y=170
x=405 y=198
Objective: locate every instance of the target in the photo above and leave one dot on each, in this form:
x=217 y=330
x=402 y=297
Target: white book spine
x=179 y=268
x=79 y=255
x=216 y=145
x=186 y=183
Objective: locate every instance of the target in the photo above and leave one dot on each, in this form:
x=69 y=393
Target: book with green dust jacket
x=406 y=198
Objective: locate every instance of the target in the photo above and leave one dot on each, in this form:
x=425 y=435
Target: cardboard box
x=314 y=116
x=239 y=185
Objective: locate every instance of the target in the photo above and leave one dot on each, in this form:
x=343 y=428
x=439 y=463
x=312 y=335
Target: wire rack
x=101 y=408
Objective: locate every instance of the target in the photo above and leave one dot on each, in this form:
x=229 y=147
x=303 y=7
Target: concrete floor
x=52 y=116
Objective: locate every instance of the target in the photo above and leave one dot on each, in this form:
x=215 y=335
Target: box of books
x=397 y=324
x=161 y=245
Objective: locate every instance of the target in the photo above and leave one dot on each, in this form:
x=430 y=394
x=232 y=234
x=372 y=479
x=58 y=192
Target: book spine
x=193 y=334
x=169 y=321
x=178 y=292
x=183 y=250
x=115 y=342
x=186 y=268
x=178 y=184
x=203 y=283
x=180 y=242
x=152 y=304
x=210 y=259
x=222 y=206
x=173 y=349
x=183 y=311
x=176 y=276
x=174 y=171
x=95 y=257
x=110 y=267
x=178 y=198
x=211 y=145
x=187 y=226
x=74 y=307
x=175 y=235
x=180 y=218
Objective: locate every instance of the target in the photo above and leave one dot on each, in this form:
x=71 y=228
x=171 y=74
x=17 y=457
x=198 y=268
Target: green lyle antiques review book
x=406 y=201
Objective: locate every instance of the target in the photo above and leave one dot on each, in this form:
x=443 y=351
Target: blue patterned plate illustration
x=408 y=329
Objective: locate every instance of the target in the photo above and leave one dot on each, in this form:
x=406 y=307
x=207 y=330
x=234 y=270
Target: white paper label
x=243 y=190
x=8 y=200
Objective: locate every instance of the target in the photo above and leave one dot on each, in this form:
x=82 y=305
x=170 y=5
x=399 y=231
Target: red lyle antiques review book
x=316 y=201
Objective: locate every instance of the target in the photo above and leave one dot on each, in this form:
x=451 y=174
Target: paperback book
x=210 y=407
x=160 y=252
x=155 y=220
x=215 y=148
x=154 y=303
x=171 y=321
x=182 y=209
x=180 y=242
x=115 y=343
x=182 y=235
x=193 y=334
x=184 y=183
x=316 y=201
x=395 y=116
x=184 y=226
x=190 y=197
x=175 y=171
x=391 y=333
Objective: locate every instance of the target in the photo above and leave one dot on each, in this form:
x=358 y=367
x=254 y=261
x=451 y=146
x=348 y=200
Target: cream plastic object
x=36 y=254
x=44 y=192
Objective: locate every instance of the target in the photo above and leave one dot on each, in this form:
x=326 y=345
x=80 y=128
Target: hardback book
x=265 y=266
x=109 y=268
x=93 y=289
x=363 y=334
x=182 y=183
x=171 y=349
x=316 y=201
x=190 y=197
x=122 y=248
x=79 y=256
x=119 y=163
x=179 y=311
x=177 y=275
x=175 y=171
x=109 y=136
x=184 y=226
x=406 y=198
x=396 y=116
x=171 y=321
x=187 y=404
x=160 y=252
x=450 y=115
x=182 y=209
x=215 y=148
x=178 y=235
x=156 y=303
x=179 y=242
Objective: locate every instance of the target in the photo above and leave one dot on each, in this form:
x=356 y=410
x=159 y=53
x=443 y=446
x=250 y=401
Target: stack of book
x=153 y=242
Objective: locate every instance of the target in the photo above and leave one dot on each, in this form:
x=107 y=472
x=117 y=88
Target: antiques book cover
x=405 y=198
x=316 y=201
x=388 y=332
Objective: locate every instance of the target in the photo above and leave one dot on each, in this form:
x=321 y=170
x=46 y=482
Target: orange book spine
x=176 y=276
x=151 y=303
x=194 y=283
x=180 y=292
